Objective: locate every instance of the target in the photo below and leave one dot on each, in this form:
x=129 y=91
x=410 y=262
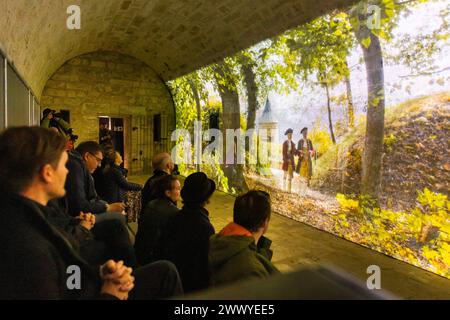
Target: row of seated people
x=190 y=228
x=58 y=240
x=108 y=237
x=50 y=223
x=187 y=238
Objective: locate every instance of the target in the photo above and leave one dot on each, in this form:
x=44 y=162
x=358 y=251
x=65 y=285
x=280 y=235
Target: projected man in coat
x=306 y=152
x=289 y=152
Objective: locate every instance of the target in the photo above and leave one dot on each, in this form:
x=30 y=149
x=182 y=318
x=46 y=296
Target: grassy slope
x=415 y=158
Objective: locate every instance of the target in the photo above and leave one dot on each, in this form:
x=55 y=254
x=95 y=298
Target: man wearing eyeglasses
x=81 y=198
x=81 y=193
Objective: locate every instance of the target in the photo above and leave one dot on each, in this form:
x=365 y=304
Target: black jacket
x=152 y=226
x=187 y=246
x=111 y=183
x=68 y=225
x=107 y=240
x=149 y=192
x=35 y=256
x=80 y=188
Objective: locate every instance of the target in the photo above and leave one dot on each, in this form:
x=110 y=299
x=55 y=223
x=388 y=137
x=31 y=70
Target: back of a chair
x=311 y=283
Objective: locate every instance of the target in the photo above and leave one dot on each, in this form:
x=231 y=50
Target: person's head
x=109 y=157
x=252 y=211
x=289 y=133
x=48 y=113
x=304 y=132
x=168 y=187
x=118 y=158
x=197 y=189
x=163 y=162
x=70 y=145
x=33 y=158
x=92 y=155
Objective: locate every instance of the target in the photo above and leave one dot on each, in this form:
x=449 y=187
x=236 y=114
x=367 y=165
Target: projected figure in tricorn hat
x=305 y=151
x=289 y=152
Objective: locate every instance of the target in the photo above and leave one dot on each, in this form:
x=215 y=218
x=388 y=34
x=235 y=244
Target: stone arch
x=173 y=37
x=107 y=83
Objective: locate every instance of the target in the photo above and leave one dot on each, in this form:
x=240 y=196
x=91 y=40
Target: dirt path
x=302 y=204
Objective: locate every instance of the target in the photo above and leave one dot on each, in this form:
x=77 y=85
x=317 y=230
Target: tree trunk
x=199 y=108
x=252 y=102
x=350 y=109
x=373 y=148
x=330 y=121
x=231 y=120
x=252 y=91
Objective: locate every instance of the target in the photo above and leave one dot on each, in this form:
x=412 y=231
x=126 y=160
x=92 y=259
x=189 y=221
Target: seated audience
x=155 y=219
x=162 y=165
x=81 y=193
x=76 y=229
x=187 y=238
x=240 y=251
x=81 y=197
x=110 y=180
x=38 y=261
x=97 y=241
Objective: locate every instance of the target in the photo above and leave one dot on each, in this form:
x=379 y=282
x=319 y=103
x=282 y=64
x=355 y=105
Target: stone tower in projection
x=267 y=121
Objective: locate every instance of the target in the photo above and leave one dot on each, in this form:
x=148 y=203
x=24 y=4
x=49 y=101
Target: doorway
x=112 y=131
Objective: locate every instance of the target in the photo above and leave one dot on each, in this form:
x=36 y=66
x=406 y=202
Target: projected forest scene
x=345 y=122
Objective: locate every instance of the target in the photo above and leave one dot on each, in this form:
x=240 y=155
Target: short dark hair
x=109 y=158
x=163 y=184
x=25 y=150
x=252 y=209
x=91 y=147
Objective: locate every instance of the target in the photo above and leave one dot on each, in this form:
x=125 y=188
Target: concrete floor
x=296 y=245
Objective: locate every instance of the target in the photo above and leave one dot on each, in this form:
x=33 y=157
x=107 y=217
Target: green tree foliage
x=262 y=71
x=192 y=103
x=420 y=236
x=320 y=49
x=419 y=51
x=184 y=102
x=320 y=139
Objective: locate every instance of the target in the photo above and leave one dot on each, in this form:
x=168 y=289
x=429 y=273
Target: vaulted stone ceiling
x=174 y=37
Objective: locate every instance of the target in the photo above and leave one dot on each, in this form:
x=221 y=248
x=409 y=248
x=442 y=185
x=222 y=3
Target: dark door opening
x=111 y=132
